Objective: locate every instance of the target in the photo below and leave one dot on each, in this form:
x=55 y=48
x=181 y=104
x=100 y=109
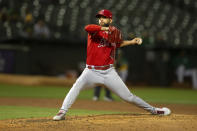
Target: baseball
x=139 y=41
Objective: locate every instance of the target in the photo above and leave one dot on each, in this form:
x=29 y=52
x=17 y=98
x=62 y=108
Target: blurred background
x=47 y=37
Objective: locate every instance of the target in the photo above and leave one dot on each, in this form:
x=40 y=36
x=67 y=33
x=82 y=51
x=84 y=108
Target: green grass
x=154 y=95
x=167 y=95
x=13 y=112
x=32 y=91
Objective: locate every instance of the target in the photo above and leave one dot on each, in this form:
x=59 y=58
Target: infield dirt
x=183 y=117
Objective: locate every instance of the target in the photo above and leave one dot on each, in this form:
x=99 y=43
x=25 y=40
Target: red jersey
x=99 y=51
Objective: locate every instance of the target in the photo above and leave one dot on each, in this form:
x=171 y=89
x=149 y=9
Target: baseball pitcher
x=103 y=40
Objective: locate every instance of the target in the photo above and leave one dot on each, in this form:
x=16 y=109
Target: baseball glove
x=114 y=35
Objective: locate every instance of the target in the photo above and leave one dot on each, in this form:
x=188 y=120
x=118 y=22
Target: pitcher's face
x=104 y=21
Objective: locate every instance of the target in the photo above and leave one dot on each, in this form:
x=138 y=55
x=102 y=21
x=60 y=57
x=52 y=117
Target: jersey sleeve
x=92 y=28
x=120 y=40
x=118 y=45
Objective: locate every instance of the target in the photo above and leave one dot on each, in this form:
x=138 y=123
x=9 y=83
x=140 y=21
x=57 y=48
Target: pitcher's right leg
x=82 y=82
x=70 y=98
x=73 y=93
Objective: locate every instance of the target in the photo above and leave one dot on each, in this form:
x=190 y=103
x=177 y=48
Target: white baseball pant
x=182 y=72
x=109 y=78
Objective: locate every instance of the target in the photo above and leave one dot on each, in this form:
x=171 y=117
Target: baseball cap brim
x=98 y=16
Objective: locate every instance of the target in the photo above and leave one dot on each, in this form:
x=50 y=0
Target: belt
x=99 y=67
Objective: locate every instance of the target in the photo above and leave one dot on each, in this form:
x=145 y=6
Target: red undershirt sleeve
x=92 y=28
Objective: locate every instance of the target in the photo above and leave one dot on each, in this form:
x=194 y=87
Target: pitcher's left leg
x=115 y=84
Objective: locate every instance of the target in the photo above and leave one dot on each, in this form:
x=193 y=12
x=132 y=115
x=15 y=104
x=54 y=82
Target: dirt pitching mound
x=183 y=118
x=120 y=122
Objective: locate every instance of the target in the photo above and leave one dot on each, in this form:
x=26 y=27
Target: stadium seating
x=174 y=21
